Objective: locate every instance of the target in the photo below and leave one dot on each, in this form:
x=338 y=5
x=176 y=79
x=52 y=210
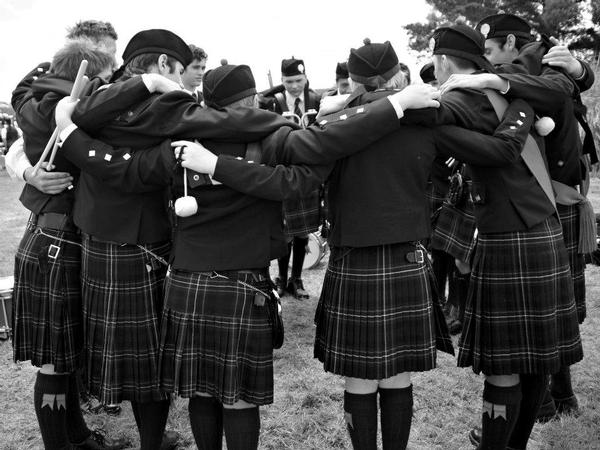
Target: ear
x=162 y=62
x=445 y=63
x=511 y=41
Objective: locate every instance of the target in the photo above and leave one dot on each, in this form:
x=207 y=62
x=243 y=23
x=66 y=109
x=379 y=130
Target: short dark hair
x=140 y=64
x=197 y=52
x=92 y=29
x=519 y=41
x=67 y=60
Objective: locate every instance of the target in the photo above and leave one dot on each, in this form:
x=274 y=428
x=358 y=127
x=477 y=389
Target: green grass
x=307 y=412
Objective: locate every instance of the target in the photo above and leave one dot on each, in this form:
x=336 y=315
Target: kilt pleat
x=47 y=301
x=454 y=231
x=122 y=292
x=375 y=316
x=215 y=340
x=569 y=219
x=520 y=315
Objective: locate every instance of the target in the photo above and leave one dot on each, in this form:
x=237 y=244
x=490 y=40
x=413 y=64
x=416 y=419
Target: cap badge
x=485 y=29
x=432 y=44
x=301 y=68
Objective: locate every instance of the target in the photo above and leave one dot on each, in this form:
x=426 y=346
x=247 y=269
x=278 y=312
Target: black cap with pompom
x=372 y=64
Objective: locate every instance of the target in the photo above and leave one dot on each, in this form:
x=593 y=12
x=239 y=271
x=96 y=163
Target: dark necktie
x=297 y=109
x=195 y=95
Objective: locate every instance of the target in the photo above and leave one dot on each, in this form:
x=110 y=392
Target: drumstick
x=77 y=88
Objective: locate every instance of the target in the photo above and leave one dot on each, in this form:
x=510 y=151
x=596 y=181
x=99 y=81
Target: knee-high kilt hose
x=569 y=219
x=454 y=230
x=214 y=339
x=47 y=300
x=122 y=304
x=376 y=316
x=520 y=315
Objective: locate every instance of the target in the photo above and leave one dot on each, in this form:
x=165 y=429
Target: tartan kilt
x=215 y=340
x=454 y=231
x=435 y=198
x=375 y=317
x=569 y=219
x=520 y=315
x=122 y=304
x=47 y=301
x=302 y=216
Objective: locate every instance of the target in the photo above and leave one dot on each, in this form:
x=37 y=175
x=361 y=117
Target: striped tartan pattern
x=47 y=302
x=122 y=304
x=520 y=315
x=302 y=216
x=435 y=198
x=569 y=219
x=454 y=231
x=375 y=317
x=215 y=340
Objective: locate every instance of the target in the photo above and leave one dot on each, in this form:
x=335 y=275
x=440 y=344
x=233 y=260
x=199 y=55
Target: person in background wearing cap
x=194 y=72
x=302 y=216
x=48 y=325
x=247 y=250
x=520 y=318
x=342 y=83
x=510 y=47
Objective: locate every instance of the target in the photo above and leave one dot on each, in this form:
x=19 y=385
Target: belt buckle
x=419 y=256
x=53 y=251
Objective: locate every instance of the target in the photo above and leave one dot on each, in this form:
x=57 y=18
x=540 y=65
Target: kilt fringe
x=569 y=219
x=520 y=315
x=215 y=340
x=47 y=301
x=122 y=292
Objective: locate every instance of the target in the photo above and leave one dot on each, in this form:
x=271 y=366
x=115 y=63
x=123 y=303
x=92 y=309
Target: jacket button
x=196 y=177
x=560 y=163
x=130 y=113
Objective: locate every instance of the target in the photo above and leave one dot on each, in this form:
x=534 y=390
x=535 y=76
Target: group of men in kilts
x=183 y=304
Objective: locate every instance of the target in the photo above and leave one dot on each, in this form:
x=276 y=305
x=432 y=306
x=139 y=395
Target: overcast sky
x=258 y=33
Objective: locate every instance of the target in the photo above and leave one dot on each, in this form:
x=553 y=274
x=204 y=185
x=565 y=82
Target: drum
x=315 y=251
x=6 y=293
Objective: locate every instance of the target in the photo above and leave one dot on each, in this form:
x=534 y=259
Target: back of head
x=228 y=84
x=95 y=30
x=373 y=64
x=66 y=62
x=464 y=44
x=499 y=26
x=144 y=48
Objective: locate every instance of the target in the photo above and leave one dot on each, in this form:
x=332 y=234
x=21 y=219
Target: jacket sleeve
x=271 y=183
x=500 y=149
x=120 y=168
x=95 y=111
x=20 y=94
x=587 y=80
x=337 y=136
x=545 y=93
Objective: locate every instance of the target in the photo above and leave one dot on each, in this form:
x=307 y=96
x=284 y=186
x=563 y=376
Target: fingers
x=554 y=40
x=182 y=143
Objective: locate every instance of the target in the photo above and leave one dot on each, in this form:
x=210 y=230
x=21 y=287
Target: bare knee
x=360 y=386
x=399 y=381
x=503 y=380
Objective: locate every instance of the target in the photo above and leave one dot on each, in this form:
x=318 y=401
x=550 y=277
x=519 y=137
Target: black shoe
x=547 y=411
x=97 y=440
x=475 y=436
x=170 y=440
x=296 y=288
x=112 y=410
x=280 y=287
x=567 y=406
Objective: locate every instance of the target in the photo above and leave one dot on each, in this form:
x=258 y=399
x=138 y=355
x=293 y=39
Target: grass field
x=307 y=413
